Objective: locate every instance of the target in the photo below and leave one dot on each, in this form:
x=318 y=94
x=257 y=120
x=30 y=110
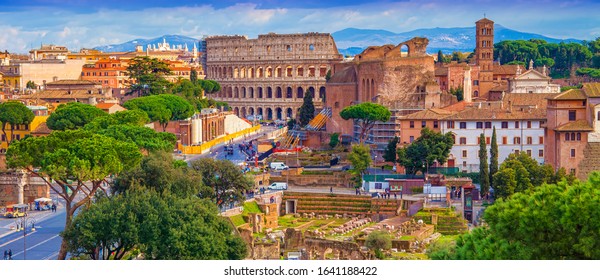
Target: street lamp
x=22 y=224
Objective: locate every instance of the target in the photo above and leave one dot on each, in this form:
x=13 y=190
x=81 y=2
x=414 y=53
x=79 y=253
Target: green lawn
x=237 y=220
x=251 y=207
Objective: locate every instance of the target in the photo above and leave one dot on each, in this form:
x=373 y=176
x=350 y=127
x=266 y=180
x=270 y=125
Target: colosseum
x=270 y=75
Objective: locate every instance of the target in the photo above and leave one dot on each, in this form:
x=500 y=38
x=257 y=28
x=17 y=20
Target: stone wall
x=11 y=184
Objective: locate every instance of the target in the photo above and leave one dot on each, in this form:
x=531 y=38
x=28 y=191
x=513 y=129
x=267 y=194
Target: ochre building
x=270 y=75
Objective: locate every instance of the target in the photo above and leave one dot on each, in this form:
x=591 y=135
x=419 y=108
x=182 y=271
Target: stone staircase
x=590 y=162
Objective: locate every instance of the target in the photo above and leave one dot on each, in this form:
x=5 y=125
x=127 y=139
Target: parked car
x=278 y=186
x=278 y=166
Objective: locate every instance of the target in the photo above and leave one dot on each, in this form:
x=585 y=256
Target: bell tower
x=484 y=54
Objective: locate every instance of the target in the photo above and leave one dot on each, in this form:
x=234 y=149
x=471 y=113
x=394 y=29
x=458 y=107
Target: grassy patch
x=237 y=220
x=409 y=256
x=251 y=207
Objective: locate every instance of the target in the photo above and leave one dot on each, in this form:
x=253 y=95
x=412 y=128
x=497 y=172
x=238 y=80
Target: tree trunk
x=62 y=254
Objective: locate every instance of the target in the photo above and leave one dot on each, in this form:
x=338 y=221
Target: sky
x=85 y=24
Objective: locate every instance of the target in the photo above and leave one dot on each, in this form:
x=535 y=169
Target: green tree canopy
x=493 y=157
x=334 y=140
x=430 y=147
x=149 y=75
x=307 y=110
x=390 y=154
x=162 y=108
x=226 y=180
x=14 y=113
x=73 y=115
x=557 y=221
x=379 y=240
x=528 y=173
x=484 y=178
x=163 y=227
x=77 y=161
x=144 y=137
x=161 y=173
x=366 y=114
x=128 y=117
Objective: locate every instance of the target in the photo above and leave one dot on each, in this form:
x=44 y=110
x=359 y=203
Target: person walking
x=330 y=189
x=5 y=255
x=10 y=254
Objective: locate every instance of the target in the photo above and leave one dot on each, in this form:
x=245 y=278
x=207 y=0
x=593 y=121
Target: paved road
x=42 y=244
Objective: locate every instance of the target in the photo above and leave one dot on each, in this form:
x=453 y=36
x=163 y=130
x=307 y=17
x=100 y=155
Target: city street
x=41 y=244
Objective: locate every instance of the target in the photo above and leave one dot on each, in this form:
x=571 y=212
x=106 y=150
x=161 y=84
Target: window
x=572 y=171
x=572 y=136
x=578 y=136
x=487 y=140
x=517 y=140
x=435 y=124
x=516 y=124
x=479 y=124
x=464 y=164
x=567 y=137
x=463 y=125
x=541 y=140
x=529 y=152
x=528 y=124
x=488 y=124
x=504 y=140
x=572 y=115
x=572 y=152
x=453 y=139
x=463 y=140
x=423 y=123
x=450 y=124
x=412 y=138
x=504 y=124
x=412 y=124
x=378 y=186
x=541 y=153
x=464 y=153
x=529 y=140
x=475 y=82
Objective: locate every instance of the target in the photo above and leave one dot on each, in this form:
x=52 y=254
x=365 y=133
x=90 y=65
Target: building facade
x=270 y=75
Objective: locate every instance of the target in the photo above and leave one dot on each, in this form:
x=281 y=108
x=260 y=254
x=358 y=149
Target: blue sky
x=84 y=23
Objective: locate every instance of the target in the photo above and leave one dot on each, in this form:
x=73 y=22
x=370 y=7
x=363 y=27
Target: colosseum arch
x=236 y=72
x=269 y=72
x=229 y=92
x=300 y=71
x=236 y=111
x=236 y=93
x=288 y=71
x=243 y=111
x=289 y=113
x=230 y=73
x=260 y=92
x=251 y=72
x=259 y=111
x=251 y=92
x=278 y=72
x=269 y=114
x=269 y=92
x=243 y=72
x=289 y=93
x=322 y=93
x=243 y=92
x=251 y=111
x=311 y=90
x=259 y=72
x=322 y=71
x=300 y=93
x=278 y=113
x=278 y=93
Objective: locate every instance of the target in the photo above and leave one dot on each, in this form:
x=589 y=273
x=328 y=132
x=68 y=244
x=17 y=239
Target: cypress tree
x=307 y=110
x=493 y=156
x=194 y=75
x=484 y=176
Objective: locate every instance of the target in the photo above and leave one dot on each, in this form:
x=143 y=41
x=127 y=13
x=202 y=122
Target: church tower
x=484 y=54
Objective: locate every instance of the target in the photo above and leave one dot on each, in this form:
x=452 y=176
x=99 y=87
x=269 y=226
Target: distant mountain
x=173 y=40
x=352 y=41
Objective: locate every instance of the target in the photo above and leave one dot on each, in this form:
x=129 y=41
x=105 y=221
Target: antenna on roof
x=483 y=15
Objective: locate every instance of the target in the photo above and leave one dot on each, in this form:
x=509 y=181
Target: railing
x=209 y=144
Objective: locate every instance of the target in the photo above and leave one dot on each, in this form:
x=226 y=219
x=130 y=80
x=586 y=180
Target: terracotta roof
x=42 y=129
x=60 y=93
x=105 y=105
x=539 y=100
x=485 y=20
x=505 y=69
x=580 y=125
x=498 y=114
x=501 y=86
x=572 y=94
x=456 y=106
x=72 y=82
x=428 y=114
x=346 y=75
x=592 y=89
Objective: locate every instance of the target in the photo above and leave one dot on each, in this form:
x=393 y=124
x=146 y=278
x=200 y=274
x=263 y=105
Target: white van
x=278 y=186
x=278 y=166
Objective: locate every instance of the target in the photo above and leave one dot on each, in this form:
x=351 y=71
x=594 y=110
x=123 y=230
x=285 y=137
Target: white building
x=532 y=81
x=519 y=122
